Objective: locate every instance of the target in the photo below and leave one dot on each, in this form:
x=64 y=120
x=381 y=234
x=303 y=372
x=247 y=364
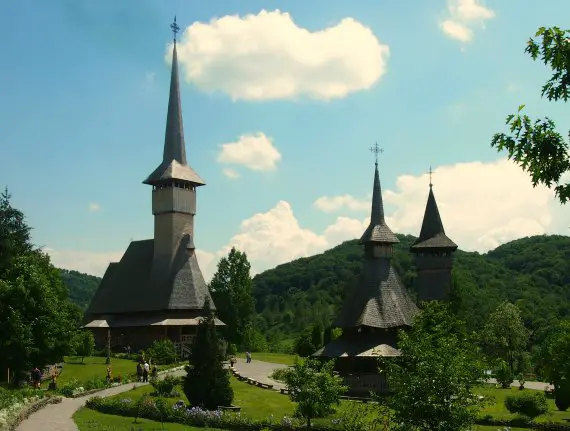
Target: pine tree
x=207 y=383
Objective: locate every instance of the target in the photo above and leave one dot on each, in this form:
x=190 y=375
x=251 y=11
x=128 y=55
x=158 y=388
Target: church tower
x=433 y=252
x=173 y=182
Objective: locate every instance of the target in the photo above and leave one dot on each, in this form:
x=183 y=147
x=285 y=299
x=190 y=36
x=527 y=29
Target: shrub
x=504 y=375
x=278 y=374
x=166 y=386
x=562 y=397
x=162 y=352
x=530 y=404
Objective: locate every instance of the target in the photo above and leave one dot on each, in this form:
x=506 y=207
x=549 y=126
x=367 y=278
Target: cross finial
x=175 y=28
x=376 y=150
x=430 y=172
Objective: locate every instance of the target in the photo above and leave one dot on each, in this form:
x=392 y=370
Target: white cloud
x=482 y=205
x=268 y=56
x=88 y=262
x=330 y=204
x=462 y=17
x=94 y=207
x=231 y=174
x=255 y=152
x=456 y=30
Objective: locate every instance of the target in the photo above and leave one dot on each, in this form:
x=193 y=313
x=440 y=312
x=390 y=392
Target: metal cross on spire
x=175 y=28
x=376 y=150
x=430 y=172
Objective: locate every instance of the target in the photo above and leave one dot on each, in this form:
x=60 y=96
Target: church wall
x=433 y=284
x=171 y=199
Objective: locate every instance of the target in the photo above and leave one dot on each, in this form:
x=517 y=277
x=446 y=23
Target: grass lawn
x=276 y=358
x=92 y=366
x=498 y=410
x=87 y=419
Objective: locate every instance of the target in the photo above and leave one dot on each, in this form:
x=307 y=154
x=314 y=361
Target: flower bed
x=22 y=405
x=157 y=410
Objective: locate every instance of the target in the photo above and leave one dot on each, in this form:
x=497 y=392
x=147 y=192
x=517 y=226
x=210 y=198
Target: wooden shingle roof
x=133 y=285
x=380 y=299
x=432 y=234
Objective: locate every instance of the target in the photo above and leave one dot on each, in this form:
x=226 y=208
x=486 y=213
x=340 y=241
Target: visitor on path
x=36 y=378
x=139 y=371
x=146 y=369
x=248 y=357
x=108 y=376
x=232 y=361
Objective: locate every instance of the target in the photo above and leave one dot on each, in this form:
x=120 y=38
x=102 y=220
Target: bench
x=284 y=391
x=264 y=385
x=251 y=381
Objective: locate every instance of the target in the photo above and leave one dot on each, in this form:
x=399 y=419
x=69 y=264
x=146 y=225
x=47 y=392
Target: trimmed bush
x=530 y=404
x=562 y=397
x=162 y=352
x=166 y=386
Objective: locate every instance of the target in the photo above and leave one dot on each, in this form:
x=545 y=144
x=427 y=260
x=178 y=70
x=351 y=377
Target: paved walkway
x=58 y=417
x=539 y=386
x=259 y=370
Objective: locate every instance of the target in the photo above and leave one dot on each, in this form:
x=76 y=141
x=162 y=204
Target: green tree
x=162 y=352
x=435 y=374
x=317 y=336
x=37 y=322
x=536 y=145
x=207 y=382
x=14 y=233
x=84 y=344
x=231 y=290
x=504 y=336
x=303 y=344
x=314 y=387
x=555 y=363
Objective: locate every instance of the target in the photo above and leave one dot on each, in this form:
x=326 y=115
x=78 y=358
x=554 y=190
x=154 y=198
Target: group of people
x=144 y=369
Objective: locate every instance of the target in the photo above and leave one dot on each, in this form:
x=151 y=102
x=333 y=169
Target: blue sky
x=84 y=87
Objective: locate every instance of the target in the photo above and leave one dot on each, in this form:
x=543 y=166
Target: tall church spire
x=174 y=165
x=378 y=230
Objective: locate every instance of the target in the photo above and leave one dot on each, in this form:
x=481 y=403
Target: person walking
x=146 y=369
x=247 y=357
x=139 y=371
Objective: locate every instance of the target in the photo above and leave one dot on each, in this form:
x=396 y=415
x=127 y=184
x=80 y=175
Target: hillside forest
x=532 y=272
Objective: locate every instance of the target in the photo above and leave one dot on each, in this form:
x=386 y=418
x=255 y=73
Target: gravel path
x=259 y=370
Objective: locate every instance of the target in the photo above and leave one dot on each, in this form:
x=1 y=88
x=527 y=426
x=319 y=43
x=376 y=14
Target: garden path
x=58 y=417
x=259 y=370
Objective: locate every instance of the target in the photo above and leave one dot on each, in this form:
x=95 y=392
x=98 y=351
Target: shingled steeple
x=378 y=230
x=380 y=300
x=433 y=252
x=174 y=165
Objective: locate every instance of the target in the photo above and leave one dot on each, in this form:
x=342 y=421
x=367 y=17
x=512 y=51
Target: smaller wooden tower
x=433 y=252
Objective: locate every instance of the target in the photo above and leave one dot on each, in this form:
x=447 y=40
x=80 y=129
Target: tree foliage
x=207 y=382
x=536 y=145
x=162 y=352
x=231 y=290
x=555 y=363
x=37 y=322
x=504 y=336
x=314 y=387
x=83 y=344
x=435 y=374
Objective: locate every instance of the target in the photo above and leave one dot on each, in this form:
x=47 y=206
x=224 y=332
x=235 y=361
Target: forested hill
x=81 y=286
x=533 y=272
